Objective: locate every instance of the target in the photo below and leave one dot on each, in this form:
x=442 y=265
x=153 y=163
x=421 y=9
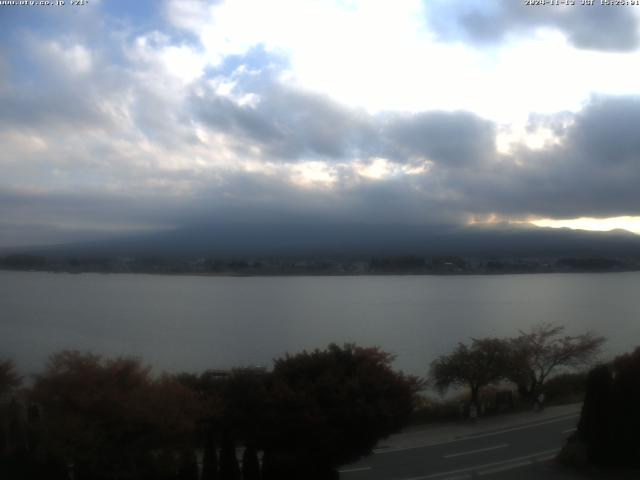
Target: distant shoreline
x=318 y=266
x=320 y=274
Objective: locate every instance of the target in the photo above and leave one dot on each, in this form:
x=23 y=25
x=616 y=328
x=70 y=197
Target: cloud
x=450 y=138
x=288 y=124
x=142 y=148
x=591 y=170
x=190 y=15
x=107 y=129
x=606 y=133
x=596 y=27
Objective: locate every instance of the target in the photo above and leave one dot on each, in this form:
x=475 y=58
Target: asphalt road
x=487 y=455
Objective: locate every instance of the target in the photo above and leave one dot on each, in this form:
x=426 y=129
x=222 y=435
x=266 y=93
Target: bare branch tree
x=543 y=349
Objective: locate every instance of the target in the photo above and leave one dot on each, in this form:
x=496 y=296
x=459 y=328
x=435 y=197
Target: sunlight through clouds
x=350 y=51
x=632 y=224
x=411 y=107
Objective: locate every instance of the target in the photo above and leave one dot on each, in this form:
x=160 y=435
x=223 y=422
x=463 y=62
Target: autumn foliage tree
x=482 y=363
x=108 y=415
x=112 y=419
x=330 y=407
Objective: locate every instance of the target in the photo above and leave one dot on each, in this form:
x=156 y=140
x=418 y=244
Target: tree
x=9 y=379
x=234 y=404
x=108 y=415
x=209 y=457
x=12 y=429
x=188 y=465
x=229 y=468
x=594 y=426
x=330 y=407
x=607 y=433
x=20 y=435
x=536 y=354
x=475 y=366
x=250 y=464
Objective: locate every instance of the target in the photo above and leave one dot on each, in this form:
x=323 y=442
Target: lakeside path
x=517 y=445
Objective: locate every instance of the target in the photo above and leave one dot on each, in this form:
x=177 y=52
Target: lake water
x=192 y=323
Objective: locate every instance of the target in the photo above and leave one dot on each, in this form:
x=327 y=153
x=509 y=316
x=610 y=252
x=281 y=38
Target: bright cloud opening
x=379 y=55
x=632 y=224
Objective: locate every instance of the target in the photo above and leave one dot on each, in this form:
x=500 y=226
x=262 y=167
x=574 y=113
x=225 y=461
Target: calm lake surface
x=192 y=323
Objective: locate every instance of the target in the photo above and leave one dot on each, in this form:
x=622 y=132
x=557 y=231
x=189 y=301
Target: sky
x=120 y=117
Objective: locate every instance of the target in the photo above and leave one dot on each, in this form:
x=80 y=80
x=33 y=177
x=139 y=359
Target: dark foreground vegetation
x=86 y=417
x=96 y=418
x=607 y=434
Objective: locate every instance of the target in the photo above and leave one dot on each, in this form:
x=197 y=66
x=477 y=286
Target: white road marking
x=504 y=468
x=545 y=458
x=359 y=469
x=569 y=430
x=511 y=466
x=517 y=461
x=479 y=435
x=459 y=454
x=521 y=427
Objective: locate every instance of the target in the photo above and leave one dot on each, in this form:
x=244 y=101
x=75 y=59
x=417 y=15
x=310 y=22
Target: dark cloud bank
x=595 y=27
x=593 y=169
